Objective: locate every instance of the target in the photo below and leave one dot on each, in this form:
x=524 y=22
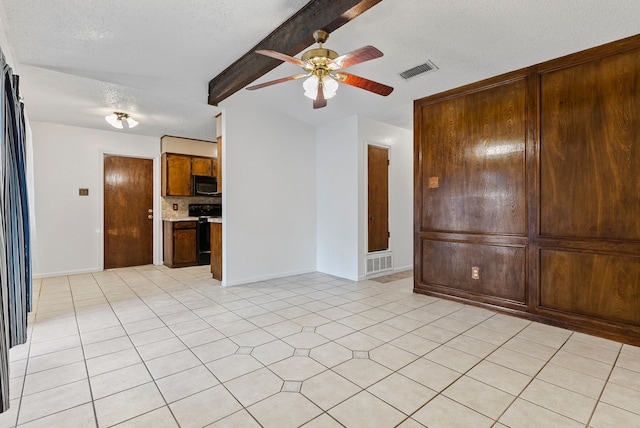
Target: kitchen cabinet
x=177 y=170
x=216 y=250
x=180 y=243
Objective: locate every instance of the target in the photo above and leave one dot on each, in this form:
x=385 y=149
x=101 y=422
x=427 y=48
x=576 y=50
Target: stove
x=205 y=210
x=203 y=230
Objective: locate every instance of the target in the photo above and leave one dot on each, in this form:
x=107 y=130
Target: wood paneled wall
x=532 y=179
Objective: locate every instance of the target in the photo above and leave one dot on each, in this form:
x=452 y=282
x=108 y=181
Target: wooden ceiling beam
x=291 y=38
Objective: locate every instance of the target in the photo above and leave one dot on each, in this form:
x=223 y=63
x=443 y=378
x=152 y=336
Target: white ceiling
x=81 y=60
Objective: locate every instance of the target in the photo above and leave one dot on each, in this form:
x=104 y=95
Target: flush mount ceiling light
x=323 y=70
x=121 y=120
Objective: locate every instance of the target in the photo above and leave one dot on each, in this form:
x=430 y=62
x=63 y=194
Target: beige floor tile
x=119 y=380
x=142 y=326
x=272 y=352
x=80 y=417
x=266 y=319
x=523 y=414
x=170 y=364
x=359 y=342
x=230 y=367
x=189 y=327
x=284 y=410
x=594 y=352
x=607 y=416
x=56 y=345
x=54 y=359
x=201 y=337
x=331 y=354
x=110 y=362
x=391 y=356
x=414 y=344
x=334 y=330
x=442 y=412
x=383 y=332
x=472 y=346
x=362 y=372
x=622 y=397
x=180 y=385
x=102 y=335
x=128 y=404
x=334 y=313
x=532 y=349
x=235 y=327
x=159 y=349
x=410 y=423
x=435 y=334
x=403 y=323
x=629 y=362
x=311 y=320
x=255 y=386
x=377 y=314
x=323 y=421
x=597 y=341
x=430 y=374
x=500 y=377
x=159 y=418
x=53 y=378
x=402 y=393
x=305 y=340
x=571 y=380
x=284 y=329
x=297 y=368
x=110 y=346
x=624 y=377
x=240 y=419
x=452 y=358
x=215 y=350
x=631 y=350
x=205 y=407
x=357 y=322
x=479 y=396
x=538 y=333
x=453 y=324
x=486 y=334
x=151 y=336
x=253 y=338
x=516 y=361
x=582 y=364
x=559 y=400
x=366 y=410
x=328 y=389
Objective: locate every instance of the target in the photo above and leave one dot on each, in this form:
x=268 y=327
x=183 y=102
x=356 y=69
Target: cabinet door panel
x=178 y=175
x=184 y=247
x=202 y=166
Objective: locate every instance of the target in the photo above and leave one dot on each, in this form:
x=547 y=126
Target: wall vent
x=418 y=70
x=379 y=262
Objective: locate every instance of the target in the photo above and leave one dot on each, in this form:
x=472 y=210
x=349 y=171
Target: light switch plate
x=475 y=272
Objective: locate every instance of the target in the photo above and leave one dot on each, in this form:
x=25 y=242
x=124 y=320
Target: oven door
x=203 y=241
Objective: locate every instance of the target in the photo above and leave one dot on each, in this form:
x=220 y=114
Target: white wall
x=69 y=228
x=400 y=143
x=337 y=198
x=269 y=198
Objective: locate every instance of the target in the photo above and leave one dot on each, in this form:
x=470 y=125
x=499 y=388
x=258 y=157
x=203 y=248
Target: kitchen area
x=191 y=190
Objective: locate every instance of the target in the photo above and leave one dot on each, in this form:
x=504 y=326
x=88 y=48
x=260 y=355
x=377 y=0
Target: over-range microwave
x=204 y=186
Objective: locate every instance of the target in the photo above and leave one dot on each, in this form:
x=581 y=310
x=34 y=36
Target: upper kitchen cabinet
x=176 y=174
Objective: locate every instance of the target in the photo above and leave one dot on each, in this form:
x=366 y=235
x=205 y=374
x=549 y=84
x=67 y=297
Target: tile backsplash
x=183 y=205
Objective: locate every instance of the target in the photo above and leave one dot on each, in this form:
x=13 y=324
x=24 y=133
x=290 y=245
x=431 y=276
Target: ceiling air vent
x=418 y=70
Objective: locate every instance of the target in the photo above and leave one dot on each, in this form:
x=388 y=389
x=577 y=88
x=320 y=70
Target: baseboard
x=65 y=273
x=250 y=280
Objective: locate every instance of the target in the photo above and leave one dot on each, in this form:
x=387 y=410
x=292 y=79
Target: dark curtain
x=15 y=263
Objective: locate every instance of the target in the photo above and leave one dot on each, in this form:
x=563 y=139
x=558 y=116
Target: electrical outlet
x=83 y=192
x=475 y=272
x=175 y=207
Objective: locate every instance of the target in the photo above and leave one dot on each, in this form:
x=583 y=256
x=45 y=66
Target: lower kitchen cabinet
x=180 y=247
x=216 y=250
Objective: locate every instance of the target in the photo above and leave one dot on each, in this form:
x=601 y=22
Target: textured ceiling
x=80 y=60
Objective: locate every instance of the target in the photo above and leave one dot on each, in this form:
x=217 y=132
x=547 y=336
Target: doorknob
x=150 y=210
x=150 y=216
x=371 y=218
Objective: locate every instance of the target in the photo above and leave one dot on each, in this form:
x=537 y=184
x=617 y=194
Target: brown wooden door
x=128 y=215
x=378 y=179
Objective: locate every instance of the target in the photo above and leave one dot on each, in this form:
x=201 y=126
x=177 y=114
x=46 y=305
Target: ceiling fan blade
x=320 y=101
x=273 y=82
x=366 y=53
x=362 y=83
x=283 y=57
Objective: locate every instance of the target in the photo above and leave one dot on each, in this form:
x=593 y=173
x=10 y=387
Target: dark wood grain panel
x=501 y=269
x=378 y=198
x=216 y=251
x=473 y=161
x=590 y=156
x=595 y=285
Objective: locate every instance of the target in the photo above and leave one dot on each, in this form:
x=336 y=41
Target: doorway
x=128 y=211
x=378 y=197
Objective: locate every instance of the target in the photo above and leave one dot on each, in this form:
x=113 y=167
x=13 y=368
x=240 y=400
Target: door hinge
x=388 y=162
x=388 y=234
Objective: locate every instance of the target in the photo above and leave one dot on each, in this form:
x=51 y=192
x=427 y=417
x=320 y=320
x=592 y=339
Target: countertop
x=210 y=219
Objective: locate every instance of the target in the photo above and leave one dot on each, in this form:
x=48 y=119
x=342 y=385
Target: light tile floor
x=158 y=347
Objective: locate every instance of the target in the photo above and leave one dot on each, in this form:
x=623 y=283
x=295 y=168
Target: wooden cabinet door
x=216 y=251
x=202 y=166
x=176 y=175
x=185 y=251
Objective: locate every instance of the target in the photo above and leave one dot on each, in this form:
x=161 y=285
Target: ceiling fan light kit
x=322 y=68
x=121 y=120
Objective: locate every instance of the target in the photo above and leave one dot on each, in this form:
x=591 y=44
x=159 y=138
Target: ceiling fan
x=322 y=67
